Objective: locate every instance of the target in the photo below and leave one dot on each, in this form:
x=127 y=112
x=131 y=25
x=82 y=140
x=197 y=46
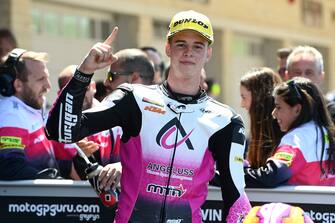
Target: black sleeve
x=66 y=122
x=227 y=147
x=273 y=174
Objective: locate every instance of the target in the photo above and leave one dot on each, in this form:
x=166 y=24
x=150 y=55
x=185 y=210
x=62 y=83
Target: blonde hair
x=23 y=72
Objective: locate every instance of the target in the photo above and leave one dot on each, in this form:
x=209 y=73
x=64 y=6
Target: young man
x=25 y=152
x=172 y=133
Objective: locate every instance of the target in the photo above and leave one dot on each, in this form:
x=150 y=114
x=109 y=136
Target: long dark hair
x=265 y=133
x=302 y=91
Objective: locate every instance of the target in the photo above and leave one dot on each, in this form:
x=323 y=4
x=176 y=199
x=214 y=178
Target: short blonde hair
x=23 y=73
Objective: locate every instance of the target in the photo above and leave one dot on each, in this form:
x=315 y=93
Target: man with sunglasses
x=173 y=133
x=132 y=66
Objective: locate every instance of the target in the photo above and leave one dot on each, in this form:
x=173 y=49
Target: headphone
x=9 y=70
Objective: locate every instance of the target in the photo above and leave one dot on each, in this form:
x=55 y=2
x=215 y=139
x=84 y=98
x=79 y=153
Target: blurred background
x=247 y=32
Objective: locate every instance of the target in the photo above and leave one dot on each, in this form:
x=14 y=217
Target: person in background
x=25 y=152
x=157 y=60
x=305 y=61
x=282 y=55
x=306 y=153
x=97 y=147
x=173 y=133
x=7 y=43
x=256 y=88
x=132 y=66
x=68 y=151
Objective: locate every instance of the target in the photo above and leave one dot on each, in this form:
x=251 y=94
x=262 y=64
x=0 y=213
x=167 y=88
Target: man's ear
x=168 y=48
x=209 y=53
x=18 y=85
x=136 y=78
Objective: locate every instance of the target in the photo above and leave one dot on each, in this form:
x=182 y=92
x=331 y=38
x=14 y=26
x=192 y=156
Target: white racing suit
x=170 y=146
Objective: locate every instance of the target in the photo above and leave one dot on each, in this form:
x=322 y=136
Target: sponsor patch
x=154 y=109
x=238 y=159
x=9 y=142
x=70 y=120
x=150 y=101
x=171 y=191
x=284 y=156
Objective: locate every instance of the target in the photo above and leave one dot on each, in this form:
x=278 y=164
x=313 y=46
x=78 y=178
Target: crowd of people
x=158 y=132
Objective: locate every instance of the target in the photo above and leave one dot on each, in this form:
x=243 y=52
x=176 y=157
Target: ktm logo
x=154 y=109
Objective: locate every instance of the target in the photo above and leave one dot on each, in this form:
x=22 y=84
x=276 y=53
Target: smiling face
x=246 y=98
x=284 y=113
x=33 y=91
x=189 y=52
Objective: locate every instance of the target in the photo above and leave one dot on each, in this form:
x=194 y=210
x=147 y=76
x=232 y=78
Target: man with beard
x=25 y=152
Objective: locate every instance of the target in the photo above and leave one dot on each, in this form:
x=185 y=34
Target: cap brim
x=194 y=30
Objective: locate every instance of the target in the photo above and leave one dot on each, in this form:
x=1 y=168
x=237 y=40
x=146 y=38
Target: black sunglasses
x=112 y=74
x=292 y=86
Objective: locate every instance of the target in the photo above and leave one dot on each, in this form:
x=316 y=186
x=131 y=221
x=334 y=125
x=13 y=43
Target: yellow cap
x=191 y=20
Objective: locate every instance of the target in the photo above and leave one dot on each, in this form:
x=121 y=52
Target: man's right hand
x=99 y=56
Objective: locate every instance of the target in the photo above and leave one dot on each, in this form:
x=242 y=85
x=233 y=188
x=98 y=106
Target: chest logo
x=154 y=109
x=167 y=132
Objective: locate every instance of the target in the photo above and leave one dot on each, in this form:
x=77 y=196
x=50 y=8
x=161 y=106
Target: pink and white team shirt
x=22 y=128
x=300 y=150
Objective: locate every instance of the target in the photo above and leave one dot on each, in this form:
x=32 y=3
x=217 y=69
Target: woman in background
x=256 y=88
x=306 y=154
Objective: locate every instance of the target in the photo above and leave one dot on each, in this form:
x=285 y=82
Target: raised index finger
x=110 y=39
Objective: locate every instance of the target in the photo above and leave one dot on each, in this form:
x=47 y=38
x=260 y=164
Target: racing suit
x=296 y=161
x=24 y=148
x=170 y=145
